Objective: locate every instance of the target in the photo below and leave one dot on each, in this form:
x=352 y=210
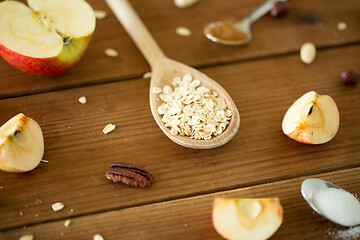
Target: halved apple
x=312 y=119
x=21 y=144
x=46 y=38
x=247 y=219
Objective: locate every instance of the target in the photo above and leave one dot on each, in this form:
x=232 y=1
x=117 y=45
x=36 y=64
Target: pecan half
x=129 y=175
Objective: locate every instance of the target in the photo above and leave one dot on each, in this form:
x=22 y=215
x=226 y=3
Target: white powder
x=347 y=234
x=338 y=205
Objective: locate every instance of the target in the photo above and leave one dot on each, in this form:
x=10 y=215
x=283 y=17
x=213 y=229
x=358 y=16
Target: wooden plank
x=79 y=153
x=190 y=218
x=306 y=22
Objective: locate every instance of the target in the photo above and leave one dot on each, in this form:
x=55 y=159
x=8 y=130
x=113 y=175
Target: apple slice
x=247 y=219
x=47 y=38
x=312 y=119
x=21 y=144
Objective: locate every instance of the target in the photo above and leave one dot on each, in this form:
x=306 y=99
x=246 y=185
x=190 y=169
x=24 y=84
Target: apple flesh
x=21 y=144
x=247 y=219
x=46 y=38
x=312 y=119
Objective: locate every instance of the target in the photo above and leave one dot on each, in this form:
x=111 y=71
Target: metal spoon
x=163 y=72
x=311 y=185
x=237 y=33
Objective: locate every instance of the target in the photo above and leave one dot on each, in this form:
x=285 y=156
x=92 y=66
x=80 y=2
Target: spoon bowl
x=228 y=33
x=312 y=185
x=236 y=33
x=163 y=72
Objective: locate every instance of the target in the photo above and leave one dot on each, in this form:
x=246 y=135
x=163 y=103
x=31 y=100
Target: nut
x=308 y=53
x=280 y=9
x=185 y=3
x=342 y=26
x=82 y=100
x=98 y=237
x=350 y=77
x=129 y=175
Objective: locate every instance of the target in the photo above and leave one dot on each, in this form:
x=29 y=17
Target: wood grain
x=79 y=153
x=190 y=218
x=308 y=21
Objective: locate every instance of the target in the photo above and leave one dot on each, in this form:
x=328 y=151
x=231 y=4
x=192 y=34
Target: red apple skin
x=44 y=66
x=299 y=135
x=4 y=165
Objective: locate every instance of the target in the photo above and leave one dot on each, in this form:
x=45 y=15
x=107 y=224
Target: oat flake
x=110 y=52
x=82 y=100
x=147 y=75
x=99 y=14
x=156 y=90
x=183 y=31
x=67 y=223
x=57 y=206
x=109 y=128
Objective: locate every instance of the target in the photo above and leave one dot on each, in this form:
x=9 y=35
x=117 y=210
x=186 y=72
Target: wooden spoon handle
x=137 y=30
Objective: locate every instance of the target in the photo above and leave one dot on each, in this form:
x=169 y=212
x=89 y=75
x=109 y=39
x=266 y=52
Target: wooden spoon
x=163 y=72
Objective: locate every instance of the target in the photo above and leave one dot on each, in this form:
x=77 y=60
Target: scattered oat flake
x=82 y=100
x=98 y=237
x=183 y=31
x=110 y=52
x=21 y=213
x=71 y=210
x=57 y=206
x=147 y=75
x=67 y=223
x=99 y=14
x=45 y=161
x=342 y=26
x=27 y=237
x=108 y=128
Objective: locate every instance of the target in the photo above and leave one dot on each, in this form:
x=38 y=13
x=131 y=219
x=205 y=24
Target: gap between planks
x=193 y=196
x=200 y=66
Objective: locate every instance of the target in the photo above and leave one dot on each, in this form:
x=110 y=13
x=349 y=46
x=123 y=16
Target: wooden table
x=264 y=78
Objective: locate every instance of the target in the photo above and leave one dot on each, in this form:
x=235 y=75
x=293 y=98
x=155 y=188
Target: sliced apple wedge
x=46 y=38
x=312 y=119
x=247 y=219
x=21 y=144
